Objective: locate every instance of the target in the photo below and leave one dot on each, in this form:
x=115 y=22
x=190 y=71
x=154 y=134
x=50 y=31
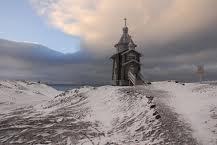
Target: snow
x=102 y=102
x=117 y=116
x=15 y=94
x=38 y=114
x=197 y=105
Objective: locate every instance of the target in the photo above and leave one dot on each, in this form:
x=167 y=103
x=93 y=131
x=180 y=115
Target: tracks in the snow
x=177 y=131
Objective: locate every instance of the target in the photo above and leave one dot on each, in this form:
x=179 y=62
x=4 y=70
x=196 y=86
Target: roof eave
x=131 y=61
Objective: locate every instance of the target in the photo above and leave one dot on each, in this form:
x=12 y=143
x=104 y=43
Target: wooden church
x=126 y=62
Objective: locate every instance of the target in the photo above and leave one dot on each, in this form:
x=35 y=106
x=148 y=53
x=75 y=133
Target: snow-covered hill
x=161 y=113
x=14 y=94
x=104 y=115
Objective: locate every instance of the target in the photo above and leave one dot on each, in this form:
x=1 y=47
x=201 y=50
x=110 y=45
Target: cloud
x=172 y=34
x=98 y=22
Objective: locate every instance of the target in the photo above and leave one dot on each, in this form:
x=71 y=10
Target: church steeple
x=123 y=43
x=126 y=41
x=125 y=29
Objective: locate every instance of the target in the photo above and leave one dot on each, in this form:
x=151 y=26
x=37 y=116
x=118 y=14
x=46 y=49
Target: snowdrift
x=14 y=94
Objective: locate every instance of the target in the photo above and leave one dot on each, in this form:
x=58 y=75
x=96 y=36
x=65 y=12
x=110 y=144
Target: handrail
x=132 y=78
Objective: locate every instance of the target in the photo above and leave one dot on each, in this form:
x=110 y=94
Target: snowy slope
x=15 y=94
x=102 y=116
x=113 y=115
x=158 y=114
x=196 y=104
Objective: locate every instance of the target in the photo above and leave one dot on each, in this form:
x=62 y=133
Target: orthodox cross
x=125 y=20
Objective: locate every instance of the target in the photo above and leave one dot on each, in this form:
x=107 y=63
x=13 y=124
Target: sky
x=20 y=22
x=174 y=37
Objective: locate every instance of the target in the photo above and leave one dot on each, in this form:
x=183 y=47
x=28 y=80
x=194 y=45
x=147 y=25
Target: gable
x=130 y=62
x=132 y=51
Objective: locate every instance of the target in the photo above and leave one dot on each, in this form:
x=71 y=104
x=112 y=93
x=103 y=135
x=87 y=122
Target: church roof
x=126 y=38
x=130 y=51
x=131 y=61
x=132 y=44
x=114 y=55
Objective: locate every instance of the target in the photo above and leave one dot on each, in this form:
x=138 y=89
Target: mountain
x=36 y=52
x=28 y=51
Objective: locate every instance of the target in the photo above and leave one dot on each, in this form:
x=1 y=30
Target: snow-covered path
x=178 y=131
x=195 y=104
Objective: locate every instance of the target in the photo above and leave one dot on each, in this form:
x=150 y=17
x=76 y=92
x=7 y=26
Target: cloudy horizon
x=174 y=37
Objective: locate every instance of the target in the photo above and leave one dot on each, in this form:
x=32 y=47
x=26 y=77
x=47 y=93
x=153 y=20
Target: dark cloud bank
x=176 y=60
x=179 y=58
x=36 y=62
